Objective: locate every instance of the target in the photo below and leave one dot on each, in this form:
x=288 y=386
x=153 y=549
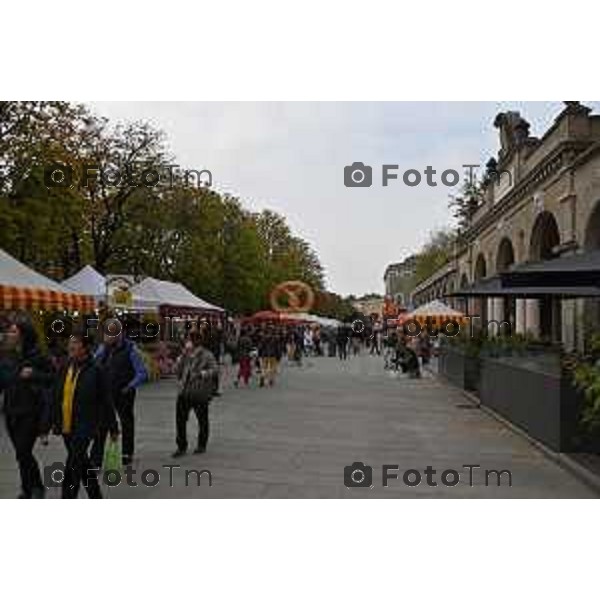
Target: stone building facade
x=399 y=280
x=541 y=199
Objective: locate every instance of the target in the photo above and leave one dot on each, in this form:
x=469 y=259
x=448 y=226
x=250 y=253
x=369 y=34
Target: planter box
x=541 y=403
x=460 y=369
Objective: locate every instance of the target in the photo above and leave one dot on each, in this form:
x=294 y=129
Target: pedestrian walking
x=82 y=407
x=390 y=345
x=244 y=350
x=195 y=375
x=423 y=347
x=26 y=378
x=376 y=340
x=317 y=342
x=125 y=370
x=308 y=342
x=267 y=353
x=342 y=342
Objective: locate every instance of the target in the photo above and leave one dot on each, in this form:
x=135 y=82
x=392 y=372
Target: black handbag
x=197 y=390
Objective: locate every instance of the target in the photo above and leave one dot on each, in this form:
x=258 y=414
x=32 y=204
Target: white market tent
x=150 y=294
x=434 y=310
x=88 y=281
x=322 y=321
x=22 y=288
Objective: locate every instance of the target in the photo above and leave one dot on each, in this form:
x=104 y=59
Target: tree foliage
x=465 y=204
x=174 y=230
x=434 y=254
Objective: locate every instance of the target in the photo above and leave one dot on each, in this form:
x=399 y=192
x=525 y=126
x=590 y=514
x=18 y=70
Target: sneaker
x=178 y=453
x=199 y=450
x=126 y=460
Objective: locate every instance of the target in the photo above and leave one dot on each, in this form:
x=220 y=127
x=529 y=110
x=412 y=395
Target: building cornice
x=563 y=156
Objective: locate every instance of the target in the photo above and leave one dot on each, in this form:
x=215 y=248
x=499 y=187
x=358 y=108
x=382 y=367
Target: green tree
x=465 y=204
x=435 y=254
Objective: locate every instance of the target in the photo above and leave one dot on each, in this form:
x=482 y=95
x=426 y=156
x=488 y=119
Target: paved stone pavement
x=294 y=440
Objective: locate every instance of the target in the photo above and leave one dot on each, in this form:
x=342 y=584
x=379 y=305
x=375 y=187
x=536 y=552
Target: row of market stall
x=150 y=295
x=88 y=291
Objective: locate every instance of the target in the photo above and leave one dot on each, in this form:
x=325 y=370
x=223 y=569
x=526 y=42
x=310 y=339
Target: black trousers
x=23 y=432
x=182 y=411
x=124 y=404
x=342 y=350
x=79 y=469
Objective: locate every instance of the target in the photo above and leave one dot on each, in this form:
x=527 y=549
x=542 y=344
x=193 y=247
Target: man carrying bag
x=196 y=369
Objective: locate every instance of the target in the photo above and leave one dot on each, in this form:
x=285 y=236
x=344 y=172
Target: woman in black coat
x=83 y=407
x=26 y=378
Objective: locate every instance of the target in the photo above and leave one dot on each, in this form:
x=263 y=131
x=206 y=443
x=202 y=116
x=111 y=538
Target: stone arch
x=545 y=236
x=505 y=257
x=592 y=229
x=479 y=304
x=461 y=302
x=480 y=267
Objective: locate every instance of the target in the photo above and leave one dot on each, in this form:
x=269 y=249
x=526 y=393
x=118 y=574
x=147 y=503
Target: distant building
x=398 y=278
x=541 y=201
x=369 y=306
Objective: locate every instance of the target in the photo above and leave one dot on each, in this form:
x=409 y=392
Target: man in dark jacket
x=195 y=370
x=82 y=406
x=342 y=337
x=26 y=378
x=126 y=372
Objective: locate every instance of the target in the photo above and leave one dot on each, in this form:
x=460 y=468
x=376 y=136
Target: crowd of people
x=86 y=394
x=87 y=397
x=259 y=349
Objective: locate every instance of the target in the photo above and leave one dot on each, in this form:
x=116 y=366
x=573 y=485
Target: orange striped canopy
x=22 y=288
x=435 y=313
x=13 y=298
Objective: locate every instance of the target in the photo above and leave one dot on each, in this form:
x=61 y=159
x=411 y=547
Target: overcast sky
x=290 y=157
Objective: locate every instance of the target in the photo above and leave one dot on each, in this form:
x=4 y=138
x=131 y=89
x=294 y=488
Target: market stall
x=434 y=312
x=88 y=281
x=22 y=288
x=169 y=299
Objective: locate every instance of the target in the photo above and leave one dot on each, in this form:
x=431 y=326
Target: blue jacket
x=123 y=364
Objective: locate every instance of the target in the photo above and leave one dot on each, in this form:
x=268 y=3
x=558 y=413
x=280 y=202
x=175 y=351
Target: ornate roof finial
x=574 y=107
x=514 y=130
